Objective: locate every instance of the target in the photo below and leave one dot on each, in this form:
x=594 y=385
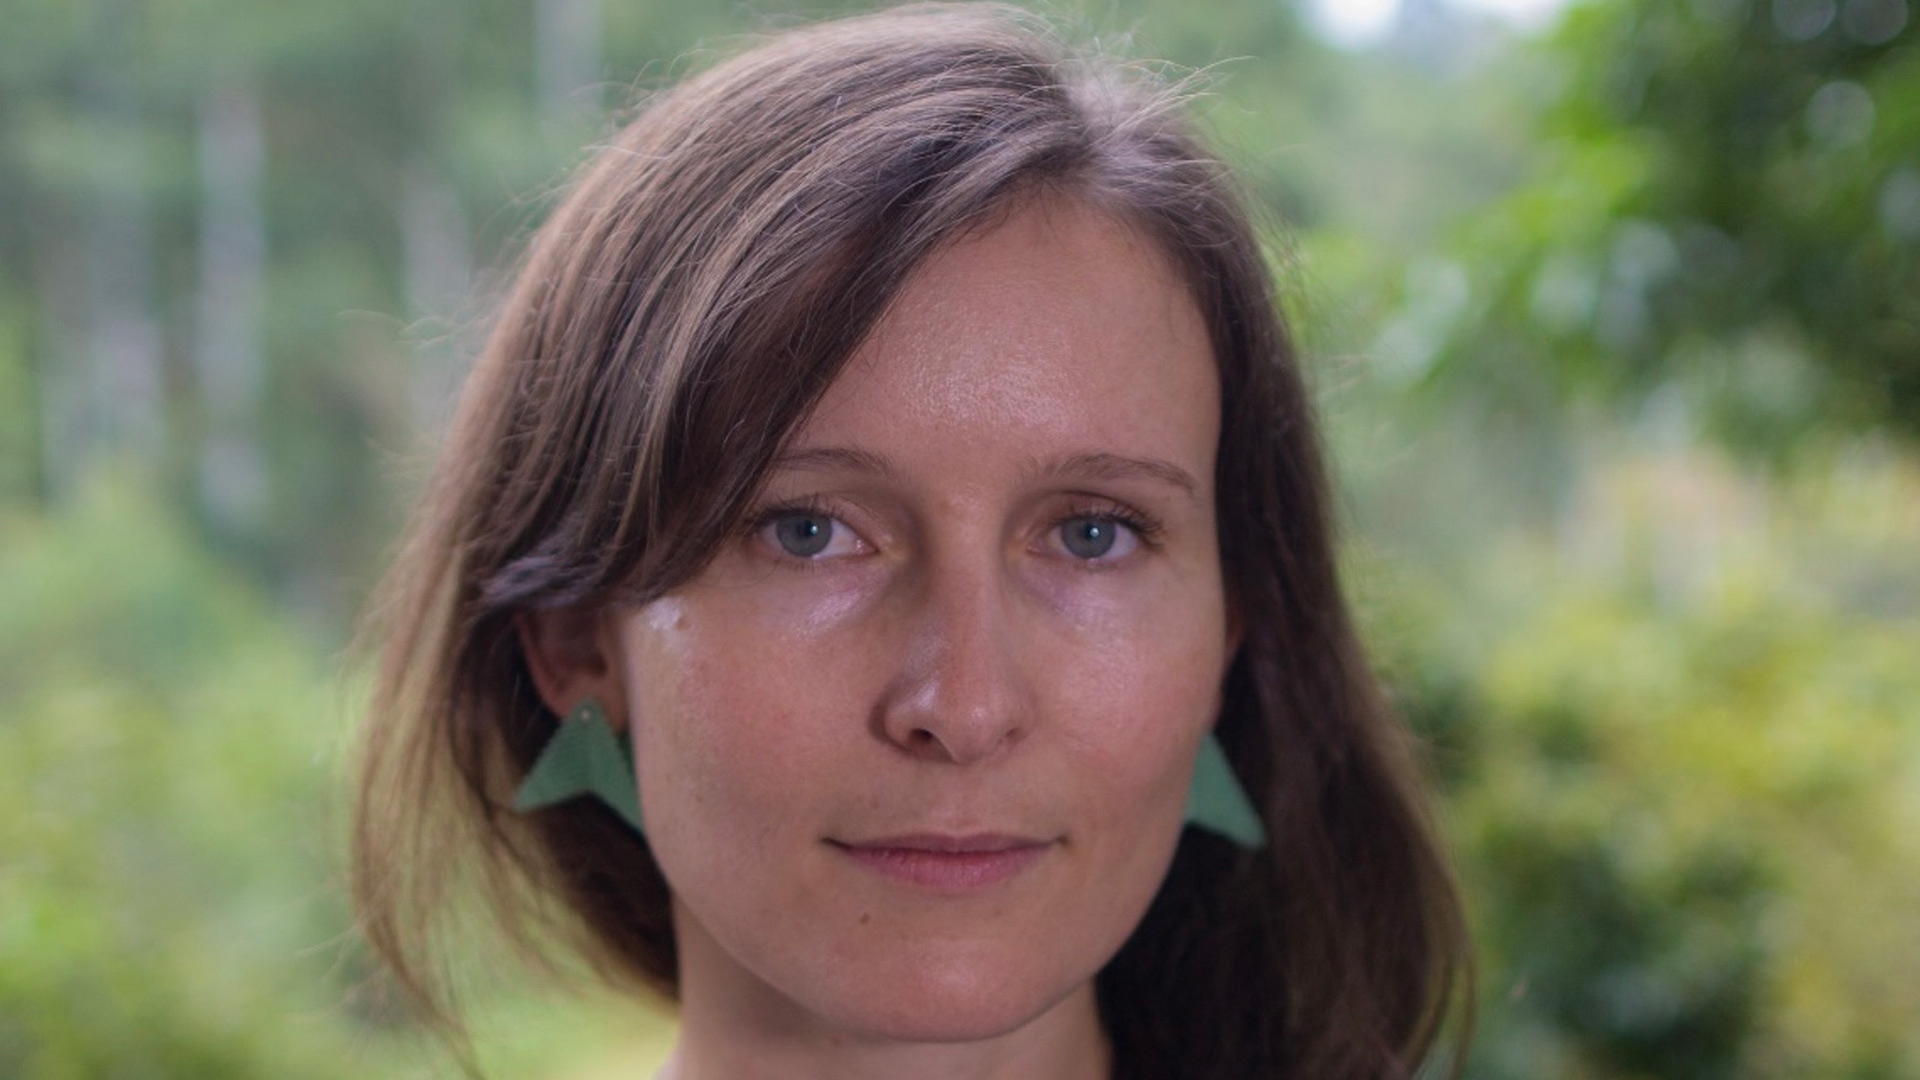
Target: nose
x=961 y=692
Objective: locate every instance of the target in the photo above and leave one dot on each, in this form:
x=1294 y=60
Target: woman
x=890 y=460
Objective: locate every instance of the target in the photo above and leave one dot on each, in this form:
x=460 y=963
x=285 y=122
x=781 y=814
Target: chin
x=953 y=1001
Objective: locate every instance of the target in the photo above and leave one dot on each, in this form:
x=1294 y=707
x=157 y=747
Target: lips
x=943 y=863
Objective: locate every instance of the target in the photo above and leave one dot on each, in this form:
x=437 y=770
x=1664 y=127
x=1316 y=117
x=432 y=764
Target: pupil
x=804 y=536
x=1089 y=538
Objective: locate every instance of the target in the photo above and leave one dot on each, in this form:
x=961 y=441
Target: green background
x=1617 y=331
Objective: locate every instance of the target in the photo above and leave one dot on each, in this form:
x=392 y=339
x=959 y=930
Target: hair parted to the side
x=676 y=317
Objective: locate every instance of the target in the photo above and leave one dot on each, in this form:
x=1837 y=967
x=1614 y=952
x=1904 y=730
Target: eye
x=1097 y=536
x=809 y=534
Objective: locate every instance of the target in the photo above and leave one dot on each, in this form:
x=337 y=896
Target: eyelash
x=1145 y=528
x=772 y=512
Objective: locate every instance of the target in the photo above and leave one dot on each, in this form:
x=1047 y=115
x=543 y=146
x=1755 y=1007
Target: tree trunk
x=435 y=242
x=228 y=357
x=123 y=403
x=567 y=45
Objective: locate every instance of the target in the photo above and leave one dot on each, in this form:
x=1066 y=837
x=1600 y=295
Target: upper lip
x=946 y=843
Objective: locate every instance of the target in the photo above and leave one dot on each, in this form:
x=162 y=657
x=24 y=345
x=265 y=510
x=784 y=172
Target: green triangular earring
x=584 y=757
x=1216 y=801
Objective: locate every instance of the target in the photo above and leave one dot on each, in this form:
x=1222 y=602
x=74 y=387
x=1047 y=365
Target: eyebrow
x=1091 y=465
x=1105 y=466
x=831 y=458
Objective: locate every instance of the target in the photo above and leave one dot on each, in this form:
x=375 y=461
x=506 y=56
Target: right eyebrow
x=835 y=458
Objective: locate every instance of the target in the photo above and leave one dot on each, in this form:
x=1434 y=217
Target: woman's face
x=913 y=749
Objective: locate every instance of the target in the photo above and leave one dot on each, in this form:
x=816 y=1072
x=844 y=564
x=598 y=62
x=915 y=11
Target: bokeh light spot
x=1840 y=114
x=1803 y=20
x=1875 y=22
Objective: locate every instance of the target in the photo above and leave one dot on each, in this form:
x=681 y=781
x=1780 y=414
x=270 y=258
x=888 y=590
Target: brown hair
x=677 y=316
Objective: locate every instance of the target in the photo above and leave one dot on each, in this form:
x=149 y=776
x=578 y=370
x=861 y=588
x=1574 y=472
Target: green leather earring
x=584 y=757
x=1215 y=800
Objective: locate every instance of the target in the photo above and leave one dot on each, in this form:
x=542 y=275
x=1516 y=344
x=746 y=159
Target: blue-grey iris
x=1088 y=537
x=804 y=535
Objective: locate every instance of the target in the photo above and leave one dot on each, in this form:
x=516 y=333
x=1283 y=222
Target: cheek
x=1130 y=712
x=733 y=715
x=1148 y=648
x=1133 y=687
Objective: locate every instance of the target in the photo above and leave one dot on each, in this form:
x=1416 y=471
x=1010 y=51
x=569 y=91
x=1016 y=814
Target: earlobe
x=1236 y=630
x=571 y=654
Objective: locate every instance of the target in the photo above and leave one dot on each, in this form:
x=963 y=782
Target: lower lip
x=946 y=871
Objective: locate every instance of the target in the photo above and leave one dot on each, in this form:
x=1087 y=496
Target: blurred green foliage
x=162 y=764
x=1628 y=449
x=169 y=808
x=1682 y=783
x=1724 y=209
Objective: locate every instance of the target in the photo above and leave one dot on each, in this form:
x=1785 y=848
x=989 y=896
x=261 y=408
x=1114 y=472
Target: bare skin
x=913 y=750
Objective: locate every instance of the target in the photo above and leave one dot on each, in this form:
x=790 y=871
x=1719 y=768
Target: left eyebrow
x=835 y=458
x=1105 y=466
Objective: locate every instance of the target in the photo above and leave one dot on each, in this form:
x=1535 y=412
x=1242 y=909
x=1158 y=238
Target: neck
x=735 y=1028
x=704 y=1055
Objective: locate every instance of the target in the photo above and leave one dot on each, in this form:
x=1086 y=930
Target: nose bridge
x=963 y=693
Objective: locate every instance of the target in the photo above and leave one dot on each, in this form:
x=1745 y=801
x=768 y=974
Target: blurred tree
x=1724 y=216
x=248 y=243
x=242 y=240
x=160 y=761
x=169 y=898
x=1679 y=768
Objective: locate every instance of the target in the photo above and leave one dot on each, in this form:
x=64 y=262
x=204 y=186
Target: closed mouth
x=947 y=863
x=943 y=844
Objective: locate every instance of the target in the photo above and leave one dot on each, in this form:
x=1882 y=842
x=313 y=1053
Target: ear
x=1236 y=629
x=573 y=654
x=1236 y=636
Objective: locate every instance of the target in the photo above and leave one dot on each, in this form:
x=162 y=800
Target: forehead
x=1056 y=330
